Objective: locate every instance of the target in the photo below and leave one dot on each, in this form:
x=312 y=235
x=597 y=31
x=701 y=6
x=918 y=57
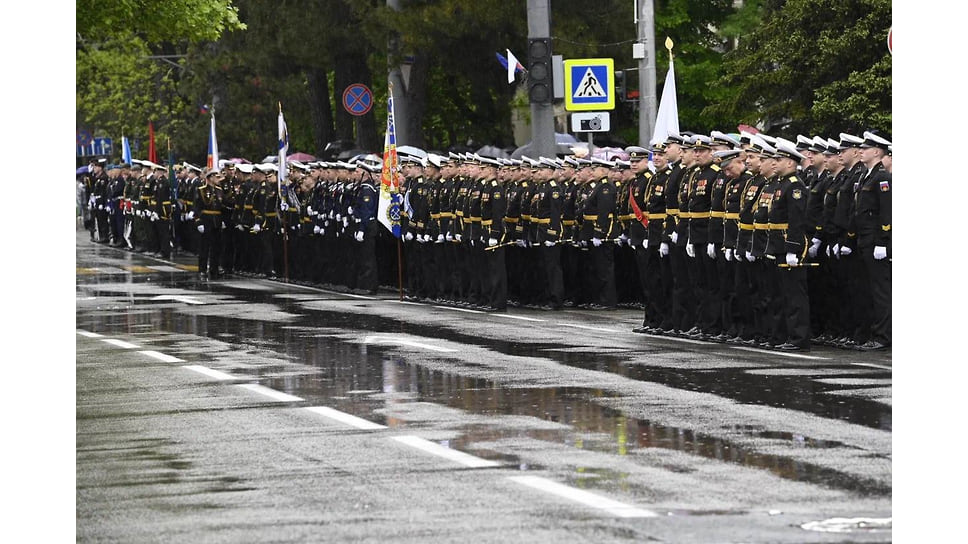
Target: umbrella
x=239 y=161
x=83 y=170
x=493 y=152
x=350 y=153
x=301 y=157
x=560 y=149
x=565 y=138
x=610 y=153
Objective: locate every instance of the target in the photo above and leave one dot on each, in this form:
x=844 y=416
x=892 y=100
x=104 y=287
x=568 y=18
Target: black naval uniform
x=597 y=214
x=873 y=221
x=547 y=220
x=208 y=215
x=787 y=234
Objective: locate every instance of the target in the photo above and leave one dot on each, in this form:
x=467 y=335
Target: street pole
x=398 y=87
x=647 y=100
x=542 y=115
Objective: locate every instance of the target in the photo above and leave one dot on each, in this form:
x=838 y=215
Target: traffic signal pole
x=540 y=89
x=647 y=101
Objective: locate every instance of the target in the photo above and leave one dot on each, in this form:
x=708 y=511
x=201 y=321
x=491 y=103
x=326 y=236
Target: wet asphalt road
x=251 y=410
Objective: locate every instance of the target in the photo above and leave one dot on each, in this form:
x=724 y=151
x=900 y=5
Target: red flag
x=152 y=155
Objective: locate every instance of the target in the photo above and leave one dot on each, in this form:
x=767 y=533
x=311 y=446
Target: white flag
x=667 y=120
x=512 y=66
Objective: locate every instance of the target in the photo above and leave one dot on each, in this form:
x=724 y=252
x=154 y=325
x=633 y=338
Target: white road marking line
x=521 y=317
x=453 y=455
x=586 y=327
x=161 y=356
x=770 y=352
x=210 y=372
x=615 y=508
x=459 y=309
x=358 y=296
x=404 y=342
x=89 y=334
x=408 y=302
x=348 y=419
x=179 y=298
x=119 y=343
x=882 y=367
x=271 y=393
x=165 y=268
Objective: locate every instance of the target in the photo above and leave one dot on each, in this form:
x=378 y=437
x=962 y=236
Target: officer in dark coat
x=597 y=211
x=208 y=223
x=787 y=244
x=872 y=218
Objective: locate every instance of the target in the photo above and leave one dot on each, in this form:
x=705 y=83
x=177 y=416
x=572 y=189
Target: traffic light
x=540 y=90
x=620 y=89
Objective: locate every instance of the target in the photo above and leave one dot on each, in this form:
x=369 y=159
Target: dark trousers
x=553 y=275
x=879 y=276
x=495 y=281
x=163 y=235
x=795 y=305
x=603 y=264
x=209 y=249
x=683 y=301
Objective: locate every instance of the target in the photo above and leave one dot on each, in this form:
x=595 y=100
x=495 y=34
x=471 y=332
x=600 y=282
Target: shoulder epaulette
x=715 y=167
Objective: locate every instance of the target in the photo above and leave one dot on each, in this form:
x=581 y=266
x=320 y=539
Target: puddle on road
x=346 y=370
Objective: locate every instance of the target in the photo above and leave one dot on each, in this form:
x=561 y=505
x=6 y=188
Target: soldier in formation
x=745 y=239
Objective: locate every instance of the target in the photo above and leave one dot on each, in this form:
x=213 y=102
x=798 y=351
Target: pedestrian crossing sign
x=589 y=84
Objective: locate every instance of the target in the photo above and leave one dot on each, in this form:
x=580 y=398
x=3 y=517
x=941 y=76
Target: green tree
x=809 y=66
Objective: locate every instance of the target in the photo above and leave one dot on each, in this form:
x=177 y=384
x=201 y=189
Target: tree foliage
x=810 y=66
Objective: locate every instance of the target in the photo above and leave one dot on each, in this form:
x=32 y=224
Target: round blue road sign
x=357 y=99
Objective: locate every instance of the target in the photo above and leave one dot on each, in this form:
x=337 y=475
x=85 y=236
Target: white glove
x=420 y=238
x=330 y=214
x=674 y=237
x=828 y=251
x=791 y=259
x=283 y=206
x=750 y=257
x=729 y=254
x=521 y=243
x=240 y=227
x=645 y=244
x=100 y=207
x=711 y=250
x=201 y=229
x=449 y=237
x=663 y=249
x=359 y=236
x=223 y=224
x=491 y=242
x=691 y=251
x=191 y=215
x=309 y=210
x=845 y=251
x=814 y=247
x=440 y=239
x=596 y=242
x=457 y=237
x=338 y=216
x=256 y=228
x=154 y=216
x=316 y=229
x=623 y=239
x=836 y=250
x=349 y=210
x=182 y=216
x=408 y=236
x=346 y=222
x=880 y=252
x=549 y=243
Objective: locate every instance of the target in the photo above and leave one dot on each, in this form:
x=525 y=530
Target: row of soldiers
x=744 y=239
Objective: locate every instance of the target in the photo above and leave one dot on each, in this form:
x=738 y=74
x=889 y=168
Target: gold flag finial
x=669 y=44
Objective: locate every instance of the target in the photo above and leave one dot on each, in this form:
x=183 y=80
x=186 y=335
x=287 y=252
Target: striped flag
x=212 y=161
x=388 y=211
x=125 y=150
x=283 y=149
